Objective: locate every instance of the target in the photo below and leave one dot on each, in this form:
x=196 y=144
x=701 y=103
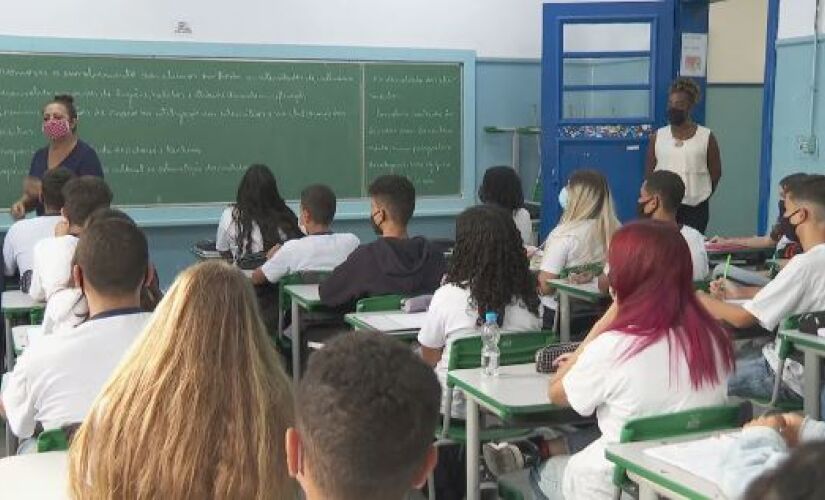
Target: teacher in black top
x=64 y=150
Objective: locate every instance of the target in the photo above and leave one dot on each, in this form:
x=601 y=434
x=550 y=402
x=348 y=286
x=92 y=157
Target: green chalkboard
x=184 y=130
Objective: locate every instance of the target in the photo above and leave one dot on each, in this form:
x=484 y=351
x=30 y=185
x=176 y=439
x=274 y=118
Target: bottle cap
x=491 y=317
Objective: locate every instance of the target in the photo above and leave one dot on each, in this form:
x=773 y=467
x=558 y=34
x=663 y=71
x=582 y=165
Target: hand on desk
x=787 y=425
x=723 y=289
x=580 y=278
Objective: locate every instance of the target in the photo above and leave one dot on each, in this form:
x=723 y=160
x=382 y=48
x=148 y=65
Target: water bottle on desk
x=490 y=335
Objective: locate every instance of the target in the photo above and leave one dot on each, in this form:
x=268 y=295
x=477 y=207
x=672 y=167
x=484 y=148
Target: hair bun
x=66 y=98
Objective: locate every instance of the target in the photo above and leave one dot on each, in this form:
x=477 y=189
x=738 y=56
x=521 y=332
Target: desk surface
x=517 y=390
x=632 y=457
x=586 y=290
x=306 y=295
x=35 y=476
x=387 y=321
x=15 y=300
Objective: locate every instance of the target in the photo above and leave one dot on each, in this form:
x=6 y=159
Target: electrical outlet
x=807 y=144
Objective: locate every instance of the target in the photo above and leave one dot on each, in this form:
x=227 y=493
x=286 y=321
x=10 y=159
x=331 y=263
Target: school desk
x=718 y=252
x=305 y=299
x=813 y=349
x=517 y=395
x=657 y=477
x=399 y=324
x=35 y=476
x=587 y=292
x=14 y=304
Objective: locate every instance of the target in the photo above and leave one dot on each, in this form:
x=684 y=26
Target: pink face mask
x=56 y=129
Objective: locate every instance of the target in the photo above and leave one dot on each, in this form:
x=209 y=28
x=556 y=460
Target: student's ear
x=77 y=276
x=427 y=466
x=292 y=442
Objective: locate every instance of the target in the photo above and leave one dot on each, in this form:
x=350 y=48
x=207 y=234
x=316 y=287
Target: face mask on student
x=640 y=209
x=563 y=198
x=376 y=227
x=57 y=129
x=787 y=227
x=676 y=116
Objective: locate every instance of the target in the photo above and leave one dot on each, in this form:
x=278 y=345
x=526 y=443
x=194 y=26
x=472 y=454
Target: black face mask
x=376 y=227
x=788 y=229
x=676 y=116
x=640 y=209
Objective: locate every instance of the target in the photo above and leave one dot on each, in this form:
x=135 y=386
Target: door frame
x=661 y=15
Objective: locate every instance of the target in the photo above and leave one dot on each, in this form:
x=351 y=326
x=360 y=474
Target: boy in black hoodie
x=392 y=264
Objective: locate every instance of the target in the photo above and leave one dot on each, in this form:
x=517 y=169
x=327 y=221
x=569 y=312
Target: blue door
x=606 y=68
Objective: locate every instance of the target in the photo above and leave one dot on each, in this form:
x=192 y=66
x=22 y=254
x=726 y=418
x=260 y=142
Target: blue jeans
x=754 y=378
x=546 y=477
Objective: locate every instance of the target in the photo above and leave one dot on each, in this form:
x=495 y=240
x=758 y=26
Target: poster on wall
x=694 y=55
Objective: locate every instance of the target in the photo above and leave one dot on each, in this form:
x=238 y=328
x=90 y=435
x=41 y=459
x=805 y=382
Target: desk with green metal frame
x=305 y=298
x=517 y=395
x=587 y=292
x=659 y=478
x=813 y=350
x=365 y=321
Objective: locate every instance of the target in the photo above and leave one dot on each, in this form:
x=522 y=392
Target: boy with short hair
x=53 y=256
x=660 y=197
x=319 y=250
x=55 y=381
x=23 y=235
x=392 y=264
x=364 y=430
x=798 y=288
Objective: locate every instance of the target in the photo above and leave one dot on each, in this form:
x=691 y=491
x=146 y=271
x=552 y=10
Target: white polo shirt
x=317 y=252
x=698 y=252
x=52 y=266
x=56 y=380
x=18 y=246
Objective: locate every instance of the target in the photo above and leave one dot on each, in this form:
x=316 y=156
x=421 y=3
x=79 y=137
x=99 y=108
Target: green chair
x=670 y=425
x=379 y=303
x=516 y=348
x=298 y=278
x=786 y=347
x=596 y=268
x=52 y=440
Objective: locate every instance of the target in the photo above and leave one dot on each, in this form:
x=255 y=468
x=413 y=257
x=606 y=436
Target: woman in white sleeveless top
x=690 y=150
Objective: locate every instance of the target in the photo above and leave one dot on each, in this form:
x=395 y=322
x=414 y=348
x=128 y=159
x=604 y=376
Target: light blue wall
x=791 y=111
x=507 y=94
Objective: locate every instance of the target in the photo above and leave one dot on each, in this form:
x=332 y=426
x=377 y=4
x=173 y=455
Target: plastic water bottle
x=490 y=335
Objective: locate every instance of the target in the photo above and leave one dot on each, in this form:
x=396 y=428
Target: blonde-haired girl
x=197 y=409
x=581 y=236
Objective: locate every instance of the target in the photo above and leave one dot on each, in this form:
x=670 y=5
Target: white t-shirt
x=573 y=244
x=65 y=309
x=18 y=246
x=52 y=266
x=798 y=288
x=524 y=225
x=698 y=253
x=226 y=240
x=318 y=252
x=56 y=380
x=619 y=390
x=451 y=316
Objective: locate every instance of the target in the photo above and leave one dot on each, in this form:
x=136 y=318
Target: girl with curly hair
x=488 y=273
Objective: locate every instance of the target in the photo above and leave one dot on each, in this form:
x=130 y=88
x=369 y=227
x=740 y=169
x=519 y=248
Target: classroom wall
x=792 y=104
x=736 y=65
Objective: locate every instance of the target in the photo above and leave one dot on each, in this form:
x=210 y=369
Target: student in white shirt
x=319 y=250
x=258 y=220
x=798 y=288
x=23 y=235
x=581 y=236
x=659 y=199
x=502 y=186
x=655 y=351
x=53 y=256
x=55 y=381
x=489 y=273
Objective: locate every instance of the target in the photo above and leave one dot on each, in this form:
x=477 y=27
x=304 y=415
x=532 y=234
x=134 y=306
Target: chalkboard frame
x=208 y=213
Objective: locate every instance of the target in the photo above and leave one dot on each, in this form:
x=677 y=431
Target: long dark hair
x=489 y=259
x=259 y=202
